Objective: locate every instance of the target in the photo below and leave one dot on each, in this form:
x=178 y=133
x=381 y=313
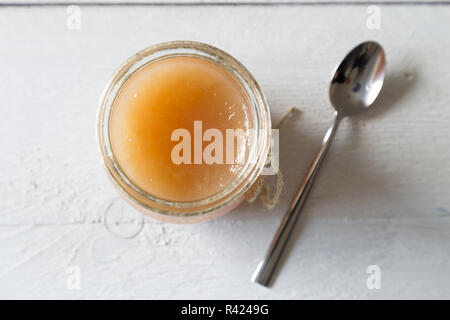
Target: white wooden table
x=383 y=196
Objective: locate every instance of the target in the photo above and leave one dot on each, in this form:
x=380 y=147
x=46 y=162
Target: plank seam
x=242 y=3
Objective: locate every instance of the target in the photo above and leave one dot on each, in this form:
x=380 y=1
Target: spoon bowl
x=358 y=79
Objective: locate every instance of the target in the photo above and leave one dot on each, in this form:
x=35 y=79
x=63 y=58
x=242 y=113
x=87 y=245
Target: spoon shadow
x=398 y=84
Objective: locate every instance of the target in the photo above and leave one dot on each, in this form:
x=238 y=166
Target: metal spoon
x=353 y=89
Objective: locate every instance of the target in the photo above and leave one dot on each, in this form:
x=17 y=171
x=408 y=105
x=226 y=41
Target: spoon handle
x=266 y=268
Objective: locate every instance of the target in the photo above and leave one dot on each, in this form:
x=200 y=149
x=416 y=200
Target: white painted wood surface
x=383 y=196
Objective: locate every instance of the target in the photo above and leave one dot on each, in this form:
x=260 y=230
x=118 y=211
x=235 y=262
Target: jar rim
x=258 y=106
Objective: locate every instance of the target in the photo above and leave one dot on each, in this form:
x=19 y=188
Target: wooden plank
x=53 y=78
x=214 y=260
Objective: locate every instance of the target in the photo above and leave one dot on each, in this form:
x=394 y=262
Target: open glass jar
x=258 y=147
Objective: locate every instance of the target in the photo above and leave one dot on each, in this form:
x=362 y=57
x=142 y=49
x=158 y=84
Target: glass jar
x=235 y=192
